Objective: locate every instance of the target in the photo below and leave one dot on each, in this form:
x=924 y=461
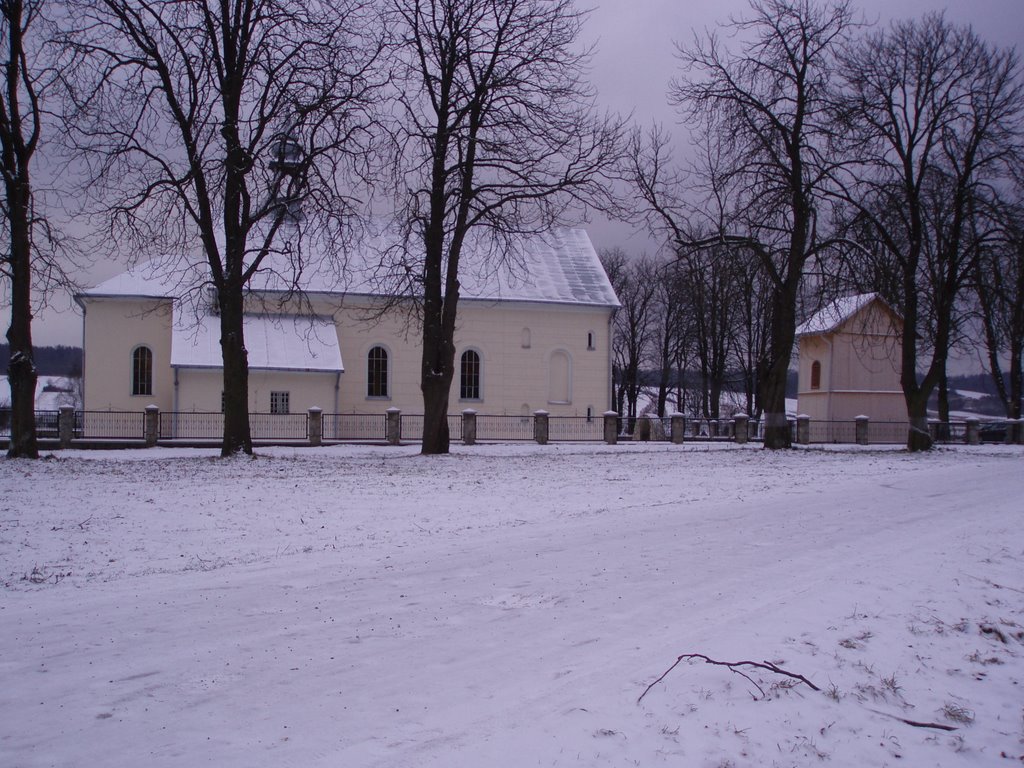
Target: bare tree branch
x=498 y=139
x=222 y=140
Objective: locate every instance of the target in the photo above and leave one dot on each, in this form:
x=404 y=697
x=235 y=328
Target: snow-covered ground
x=508 y=605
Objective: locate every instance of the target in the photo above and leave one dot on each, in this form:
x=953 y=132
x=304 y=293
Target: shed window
x=279 y=402
x=469 y=380
x=377 y=372
x=142 y=371
x=816 y=375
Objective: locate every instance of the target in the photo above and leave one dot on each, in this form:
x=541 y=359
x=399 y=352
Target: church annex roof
x=273 y=342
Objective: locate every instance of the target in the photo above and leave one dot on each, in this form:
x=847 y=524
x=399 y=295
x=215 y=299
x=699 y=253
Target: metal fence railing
x=191 y=425
x=948 y=431
x=412 y=426
x=110 y=425
x=278 y=426
x=194 y=425
x=833 y=432
x=887 y=432
x=575 y=428
x=697 y=428
x=504 y=427
x=373 y=427
x=46 y=424
x=355 y=426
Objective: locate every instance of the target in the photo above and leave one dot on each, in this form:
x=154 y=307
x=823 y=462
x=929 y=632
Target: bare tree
x=636 y=284
x=220 y=136
x=936 y=111
x=713 y=289
x=674 y=318
x=753 y=326
x=31 y=243
x=999 y=286
x=499 y=139
x=765 y=112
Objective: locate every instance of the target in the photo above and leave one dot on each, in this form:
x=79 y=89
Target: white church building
x=534 y=332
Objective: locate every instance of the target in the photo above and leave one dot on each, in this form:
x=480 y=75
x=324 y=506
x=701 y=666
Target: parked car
x=993 y=432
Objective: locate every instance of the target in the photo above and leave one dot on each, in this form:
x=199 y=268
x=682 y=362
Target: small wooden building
x=850 y=362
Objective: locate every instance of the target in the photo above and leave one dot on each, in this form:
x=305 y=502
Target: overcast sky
x=633 y=63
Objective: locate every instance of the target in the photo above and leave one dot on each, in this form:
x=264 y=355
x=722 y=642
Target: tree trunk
x=237 y=436
x=436 y=436
x=774 y=371
x=663 y=384
x=777 y=433
x=943 y=404
x=436 y=374
x=918 y=438
x=21 y=375
x=21 y=370
x=1013 y=410
x=437 y=367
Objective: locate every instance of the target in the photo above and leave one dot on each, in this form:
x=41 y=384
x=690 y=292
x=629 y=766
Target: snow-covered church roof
x=559 y=267
x=832 y=316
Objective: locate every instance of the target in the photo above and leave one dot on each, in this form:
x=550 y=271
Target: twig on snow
x=997 y=586
x=915 y=723
x=733 y=665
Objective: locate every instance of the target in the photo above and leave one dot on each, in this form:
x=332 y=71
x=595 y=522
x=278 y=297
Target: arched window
x=559 y=377
x=525 y=338
x=816 y=375
x=590 y=341
x=142 y=371
x=377 y=372
x=469 y=379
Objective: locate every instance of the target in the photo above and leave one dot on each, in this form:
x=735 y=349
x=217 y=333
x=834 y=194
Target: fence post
x=971 y=437
x=677 y=424
x=861 y=431
x=66 y=425
x=933 y=429
x=152 y=428
x=803 y=429
x=469 y=427
x=540 y=427
x=1016 y=433
x=611 y=427
x=740 y=421
x=315 y=426
x=394 y=427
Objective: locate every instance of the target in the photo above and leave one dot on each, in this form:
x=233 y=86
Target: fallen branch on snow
x=767 y=665
x=733 y=665
x=915 y=723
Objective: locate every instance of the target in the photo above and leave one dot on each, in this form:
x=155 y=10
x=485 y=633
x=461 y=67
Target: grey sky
x=633 y=63
x=635 y=57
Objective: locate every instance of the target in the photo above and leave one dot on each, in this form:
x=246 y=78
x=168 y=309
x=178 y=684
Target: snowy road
x=506 y=606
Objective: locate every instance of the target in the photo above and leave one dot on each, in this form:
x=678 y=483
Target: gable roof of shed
x=831 y=317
